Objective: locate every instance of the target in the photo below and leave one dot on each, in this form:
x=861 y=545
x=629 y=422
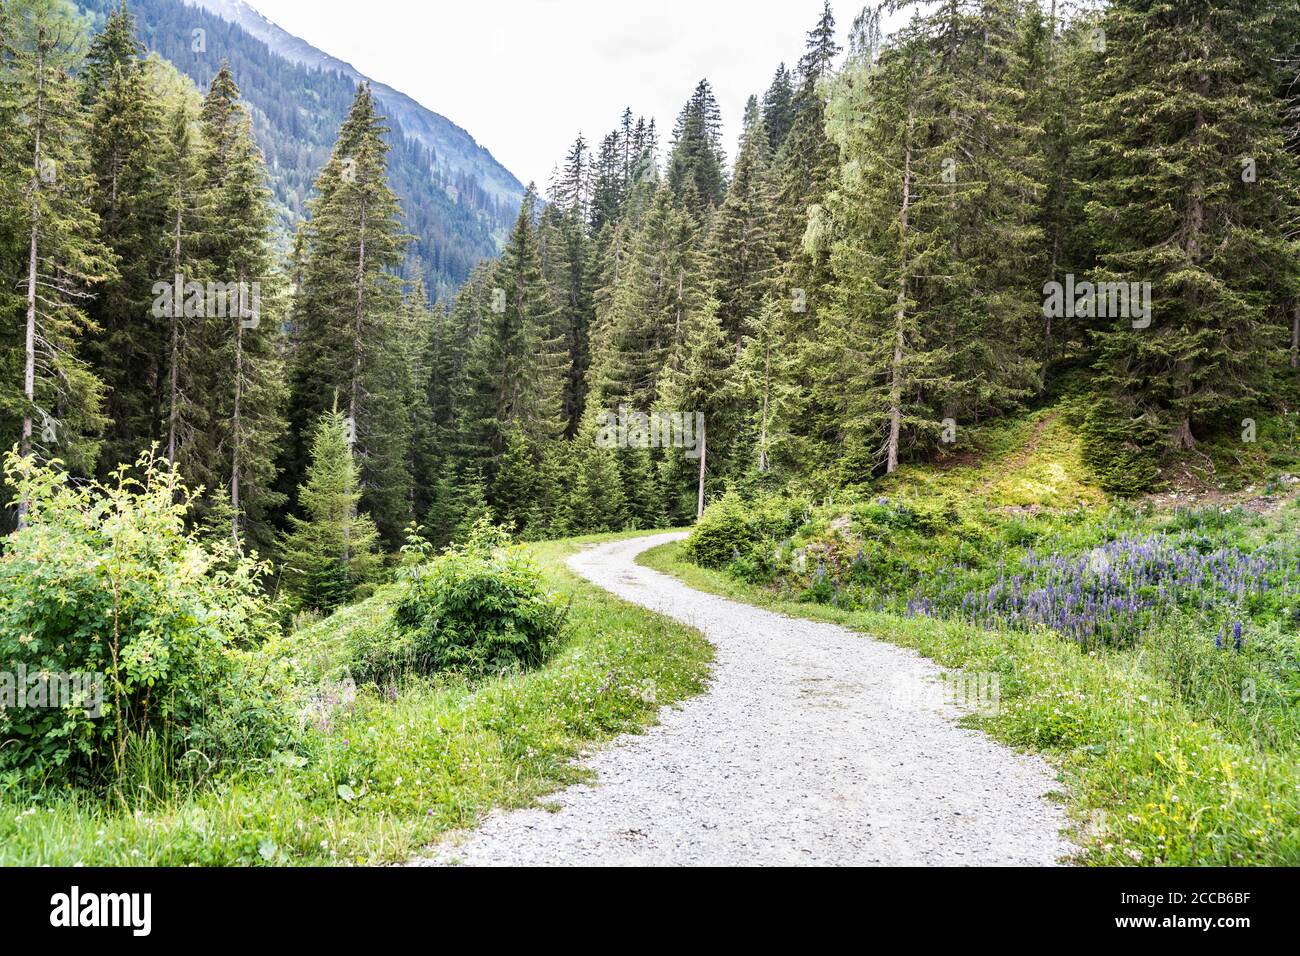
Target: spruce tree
x=331 y=553
x=778 y=108
x=742 y=258
x=696 y=161
x=243 y=383
x=697 y=380
x=515 y=370
x=1190 y=190
x=53 y=396
x=878 y=363
x=644 y=309
x=346 y=312
x=570 y=267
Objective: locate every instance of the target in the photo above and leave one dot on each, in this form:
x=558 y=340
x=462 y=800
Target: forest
x=1004 y=208
x=863 y=282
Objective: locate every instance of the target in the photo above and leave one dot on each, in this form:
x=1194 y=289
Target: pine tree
x=697 y=380
x=515 y=369
x=644 y=310
x=697 y=163
x=56 y=398
x=244 y=386
x=1190 y=190
x=345 y=315
x=330 y=554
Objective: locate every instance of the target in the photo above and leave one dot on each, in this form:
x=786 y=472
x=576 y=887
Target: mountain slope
x=455 y=148
x=457 y=199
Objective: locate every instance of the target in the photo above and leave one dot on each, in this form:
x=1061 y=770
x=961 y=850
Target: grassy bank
x=394 y=767
x=1161 y=759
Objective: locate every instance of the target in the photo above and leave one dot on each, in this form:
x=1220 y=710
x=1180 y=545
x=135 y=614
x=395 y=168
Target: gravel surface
x=812 y=745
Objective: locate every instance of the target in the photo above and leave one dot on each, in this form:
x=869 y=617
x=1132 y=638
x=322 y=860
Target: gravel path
x=812 y=745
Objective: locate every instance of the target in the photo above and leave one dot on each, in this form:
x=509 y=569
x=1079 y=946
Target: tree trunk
x=236 y=424
x=173 y=413
x=767 y=387
x=1295 y=335
x=900 y=309
x=29 y=356
x=699 y=503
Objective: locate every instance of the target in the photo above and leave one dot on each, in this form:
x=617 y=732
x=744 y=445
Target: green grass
x=1031 y=461
x=1153 y=771
x=408 y=764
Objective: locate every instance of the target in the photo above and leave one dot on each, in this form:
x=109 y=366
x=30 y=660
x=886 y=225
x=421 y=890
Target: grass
x=1161 y=761
x=1035 y=460
x=406 y=765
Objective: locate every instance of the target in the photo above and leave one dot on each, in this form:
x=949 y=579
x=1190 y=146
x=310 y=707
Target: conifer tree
x=570 y=267
x=515 y=368
x=778 y=108
x=345 y=314
x=742 y=254
x=54 y=397
x=180 y=172
x=696 y=162
x=697 y=380
x=331 y=553
x=1190 y=189
x=878 y=362
x=244 y=372
x=596 y=502
x=645 y=309
x=124 y=144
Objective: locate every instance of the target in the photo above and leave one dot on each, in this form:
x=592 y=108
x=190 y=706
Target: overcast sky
x=525 y=76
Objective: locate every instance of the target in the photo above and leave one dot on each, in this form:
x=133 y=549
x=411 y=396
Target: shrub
x=105 y=580
x=479 y=607
x=724 y=532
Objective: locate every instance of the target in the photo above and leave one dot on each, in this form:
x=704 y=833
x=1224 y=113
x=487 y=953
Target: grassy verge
x=1150 y=777
x=402 y=765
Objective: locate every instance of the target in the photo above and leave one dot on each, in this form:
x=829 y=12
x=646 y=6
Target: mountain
x=458 y=200
x=455 y=148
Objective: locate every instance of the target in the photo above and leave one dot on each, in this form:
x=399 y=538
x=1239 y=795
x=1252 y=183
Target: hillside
x=457 y=199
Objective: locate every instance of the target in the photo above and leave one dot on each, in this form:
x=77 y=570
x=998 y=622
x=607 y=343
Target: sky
x=524 y=77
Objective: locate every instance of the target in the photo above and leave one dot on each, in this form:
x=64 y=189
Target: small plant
x=479 y=607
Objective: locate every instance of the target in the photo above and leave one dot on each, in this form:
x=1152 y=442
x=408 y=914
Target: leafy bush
x=479 y=607
x=105 y=580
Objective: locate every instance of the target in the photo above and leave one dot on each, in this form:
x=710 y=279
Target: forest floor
x=813 y=745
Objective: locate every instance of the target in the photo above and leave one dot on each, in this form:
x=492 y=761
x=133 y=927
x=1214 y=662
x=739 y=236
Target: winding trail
x=812 y=745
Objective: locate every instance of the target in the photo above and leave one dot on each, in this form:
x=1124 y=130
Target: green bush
x=726 y=531
x=104 y=582
x=479 y=607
